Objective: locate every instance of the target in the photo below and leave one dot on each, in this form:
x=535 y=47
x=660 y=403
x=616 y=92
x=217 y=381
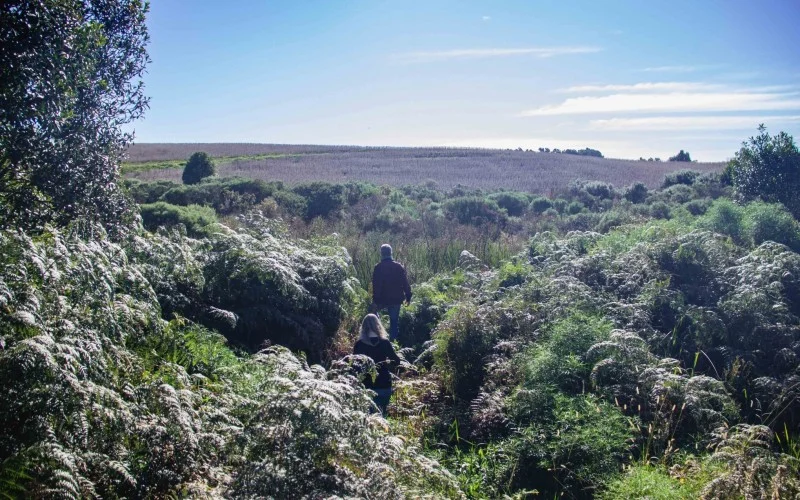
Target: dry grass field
x=484 y=168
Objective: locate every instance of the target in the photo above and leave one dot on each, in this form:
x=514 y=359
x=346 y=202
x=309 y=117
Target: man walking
x=389 y=287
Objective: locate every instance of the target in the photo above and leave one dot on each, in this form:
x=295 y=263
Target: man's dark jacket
x=390 y=283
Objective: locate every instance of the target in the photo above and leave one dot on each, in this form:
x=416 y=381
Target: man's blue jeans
x=382 y=398
x=394 y=320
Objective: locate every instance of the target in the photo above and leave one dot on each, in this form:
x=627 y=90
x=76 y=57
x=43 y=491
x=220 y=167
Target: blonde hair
x=372 y=323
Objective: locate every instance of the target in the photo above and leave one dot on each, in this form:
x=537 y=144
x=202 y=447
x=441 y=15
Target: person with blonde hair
x=374 y=342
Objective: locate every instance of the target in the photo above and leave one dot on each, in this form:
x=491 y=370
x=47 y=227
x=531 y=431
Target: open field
x=483 y=168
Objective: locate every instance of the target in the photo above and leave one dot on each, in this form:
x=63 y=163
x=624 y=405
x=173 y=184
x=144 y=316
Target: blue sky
x=630 y=78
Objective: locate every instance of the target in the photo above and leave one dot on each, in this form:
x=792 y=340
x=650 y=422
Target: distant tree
x=682 y=156
x=769 y=167
x=70 y=80
x=199 y=166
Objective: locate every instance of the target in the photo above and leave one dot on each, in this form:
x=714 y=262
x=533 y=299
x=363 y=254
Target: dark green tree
x=70 y=81
x=681 y=156
x=769 y=167
x=199 y=166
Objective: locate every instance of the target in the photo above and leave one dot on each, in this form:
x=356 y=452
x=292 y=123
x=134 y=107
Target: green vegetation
x=70 y=81
x=681 y=156
x=596 y=342
x=198 y=167
x=768 y=167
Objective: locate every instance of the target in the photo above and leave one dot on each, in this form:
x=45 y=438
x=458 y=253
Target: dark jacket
x=390 y=283
x=385 y=358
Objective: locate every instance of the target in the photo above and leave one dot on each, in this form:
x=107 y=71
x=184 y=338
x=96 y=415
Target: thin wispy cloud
x=487 y=18
x=675 y=69
x=683 y=102
x=644 y=87
x=665 y=123
x=462 y=54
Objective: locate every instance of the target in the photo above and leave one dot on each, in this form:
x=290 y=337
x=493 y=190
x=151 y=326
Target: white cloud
x=487 y=18
x=529 y=143
x=443 y=55
x=689 y=122
x=675 y=69
x=644 y=87
x=671 y=102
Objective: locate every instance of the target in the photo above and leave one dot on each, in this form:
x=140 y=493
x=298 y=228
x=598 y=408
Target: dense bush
x=725 y=217
x=475 y=210
x=769 y=167
x=199 y=166
x=540 y=204
x=512 y=202
x=636 y=193
x=147 y=192
x=321 y=198
x=195 y=218
x=686 y=177
x=765 y=222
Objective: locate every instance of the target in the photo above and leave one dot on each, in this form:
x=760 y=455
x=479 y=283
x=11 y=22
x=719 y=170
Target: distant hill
x=447 y=167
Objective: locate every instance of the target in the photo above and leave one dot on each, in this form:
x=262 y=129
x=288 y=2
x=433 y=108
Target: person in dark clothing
x=389 y=288
x=374 y=342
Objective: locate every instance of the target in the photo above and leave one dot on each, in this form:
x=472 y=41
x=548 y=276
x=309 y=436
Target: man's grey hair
x=386 y=250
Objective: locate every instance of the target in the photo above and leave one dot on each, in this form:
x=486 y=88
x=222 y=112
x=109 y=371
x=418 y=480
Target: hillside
x=477 y=168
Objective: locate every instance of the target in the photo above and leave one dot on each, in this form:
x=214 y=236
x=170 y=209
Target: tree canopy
x=70 y=81
x=681 y=156
x=769 y=167
x=199 y=166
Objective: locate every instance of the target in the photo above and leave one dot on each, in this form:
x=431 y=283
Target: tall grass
x=425 y=258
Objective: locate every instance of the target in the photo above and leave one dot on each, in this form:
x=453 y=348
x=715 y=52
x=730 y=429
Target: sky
x=630 y=78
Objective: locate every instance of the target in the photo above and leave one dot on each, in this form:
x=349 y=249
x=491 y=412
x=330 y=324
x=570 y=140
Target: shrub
x=636 y=193
x=575 y=207
x=540 y=204
x=291 y=293
x=677 y=193
x=680 y=177
x=576 y=447
x=475 y=210
x=656 y=483
x=610 y=220
x=771 y=222
x=769 y=167
x=195 y=217
x=321 y=198
x=147 y=192
x=725 y=217
x=514 y=203
x=697 y=207
x=558 y=360
x=602 y=190
x=560 y=204
x=199 y=166
x=660 y=210
x=291 y=202
x=357 y=191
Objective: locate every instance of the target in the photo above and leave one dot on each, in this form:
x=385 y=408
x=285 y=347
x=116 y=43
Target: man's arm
x=406 y=286
x=375 y=283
